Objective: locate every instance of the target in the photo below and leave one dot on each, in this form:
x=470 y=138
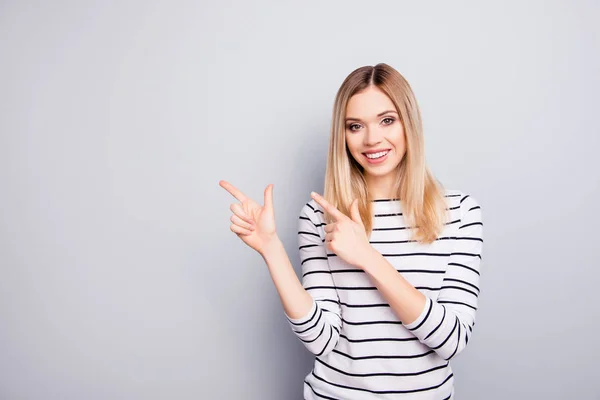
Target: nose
x=373 y=136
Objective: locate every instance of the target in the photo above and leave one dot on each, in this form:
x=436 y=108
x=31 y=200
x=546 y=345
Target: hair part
x=423 y=197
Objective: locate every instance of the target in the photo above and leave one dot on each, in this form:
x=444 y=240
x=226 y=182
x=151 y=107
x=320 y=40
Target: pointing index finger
x=337 y=214
x=232 y=190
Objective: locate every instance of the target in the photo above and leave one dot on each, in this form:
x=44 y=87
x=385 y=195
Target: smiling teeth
x=377 y=155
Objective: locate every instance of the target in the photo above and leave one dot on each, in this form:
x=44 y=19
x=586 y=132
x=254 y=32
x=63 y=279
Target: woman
x=390 y=259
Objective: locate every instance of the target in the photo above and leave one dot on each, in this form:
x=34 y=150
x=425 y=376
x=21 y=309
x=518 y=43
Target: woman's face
x=373 y=128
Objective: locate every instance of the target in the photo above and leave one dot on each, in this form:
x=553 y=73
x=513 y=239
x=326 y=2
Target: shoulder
x=466 y=206
x=464 y=201
x=310 y=223
x=312 y=210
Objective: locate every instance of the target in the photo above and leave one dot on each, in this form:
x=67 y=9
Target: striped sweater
x=363 y=351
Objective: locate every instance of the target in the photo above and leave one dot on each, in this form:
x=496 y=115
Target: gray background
x=120 y=278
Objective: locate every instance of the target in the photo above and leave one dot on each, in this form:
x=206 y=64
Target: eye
x=390 y=119
x=350 y=127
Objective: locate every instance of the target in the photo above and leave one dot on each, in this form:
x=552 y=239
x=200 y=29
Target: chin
x=391 y=165
x=380 y=173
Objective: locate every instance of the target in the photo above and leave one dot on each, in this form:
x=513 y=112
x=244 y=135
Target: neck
x=380 y=187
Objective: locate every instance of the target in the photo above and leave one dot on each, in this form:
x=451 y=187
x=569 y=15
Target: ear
x=355 y=213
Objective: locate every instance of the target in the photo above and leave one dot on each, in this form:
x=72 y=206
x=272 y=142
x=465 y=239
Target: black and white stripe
x=362 y=349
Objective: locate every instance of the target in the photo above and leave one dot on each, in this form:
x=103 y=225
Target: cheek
x=399 y=139
x=352 y=144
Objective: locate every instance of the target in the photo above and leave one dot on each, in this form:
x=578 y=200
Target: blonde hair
x=422 y=196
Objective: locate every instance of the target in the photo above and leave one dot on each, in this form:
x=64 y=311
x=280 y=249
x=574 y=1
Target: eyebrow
x=379 y=115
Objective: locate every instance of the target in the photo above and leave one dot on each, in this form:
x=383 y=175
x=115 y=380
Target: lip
x=375 y=151
x=379 y=160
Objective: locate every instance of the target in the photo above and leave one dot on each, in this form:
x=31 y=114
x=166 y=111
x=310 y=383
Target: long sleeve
x=319 y=330
x=446 y=324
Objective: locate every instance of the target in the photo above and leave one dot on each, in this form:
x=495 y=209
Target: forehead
x=368 y=103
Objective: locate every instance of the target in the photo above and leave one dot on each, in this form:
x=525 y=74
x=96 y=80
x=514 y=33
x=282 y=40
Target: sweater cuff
x=426 y=327
x=310 y=315
x=422 y=317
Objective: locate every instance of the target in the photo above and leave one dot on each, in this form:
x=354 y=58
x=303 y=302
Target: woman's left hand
x=346 y=236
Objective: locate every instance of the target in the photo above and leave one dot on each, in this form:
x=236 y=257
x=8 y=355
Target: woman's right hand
x=251 y=222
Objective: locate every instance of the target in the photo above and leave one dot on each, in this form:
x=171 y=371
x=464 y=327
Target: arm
x=317 y=323
x=446 y=324
x=313 y=312
x=295 y=299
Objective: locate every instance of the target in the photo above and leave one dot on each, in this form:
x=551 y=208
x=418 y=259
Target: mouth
x=378 y=157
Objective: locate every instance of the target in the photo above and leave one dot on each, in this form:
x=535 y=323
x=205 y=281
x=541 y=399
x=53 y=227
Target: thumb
x=269 y=197
x=355 y=213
